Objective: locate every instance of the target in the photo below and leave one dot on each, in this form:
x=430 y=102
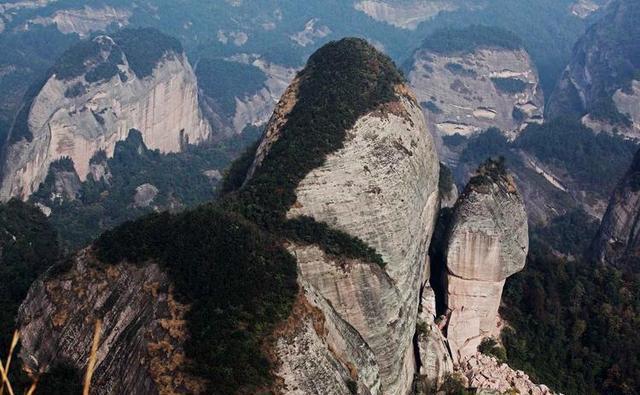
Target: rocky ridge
x=618 y=240
x=464 y=92
x=488 y=241
x=599 y=84
x=75 y=115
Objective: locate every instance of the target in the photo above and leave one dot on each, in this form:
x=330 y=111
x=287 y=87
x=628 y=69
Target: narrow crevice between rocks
x=437 y=258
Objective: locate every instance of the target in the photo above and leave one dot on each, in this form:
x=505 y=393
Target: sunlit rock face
x=467 y=92
x=600 y=83
x=77 y=117
x=488 y=242
x=85 y=20
x=381 y=187
x=142 y=333
x=409 y=14
x=618 y=239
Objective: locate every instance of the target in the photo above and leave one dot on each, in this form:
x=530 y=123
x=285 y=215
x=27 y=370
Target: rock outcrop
x=465 y=92
x=410 y=14
x=599 y=84
x=487 y=242
x=353 y=321
x=143 y=327
x=488 y=376
x=85 y=20
x=252 y=108
x=88 y=104
x=618 y=239
x=381 y=187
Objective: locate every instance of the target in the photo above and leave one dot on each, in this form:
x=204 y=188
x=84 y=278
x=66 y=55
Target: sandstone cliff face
x=75 y=118
x=598 y=84
x=618 y=239
x=251 y=108
x=85 y=20
x=462 y=92
x=382 y=188
x=488 y=242
x=409 y=14
x=143 y=327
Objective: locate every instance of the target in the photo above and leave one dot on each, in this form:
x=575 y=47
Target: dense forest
x=182 y=180
x=208 y=251
x=573 y=321
x=450 y=40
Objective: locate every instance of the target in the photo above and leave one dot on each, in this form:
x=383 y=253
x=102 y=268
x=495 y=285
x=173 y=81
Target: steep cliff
x=488 y=241
x=408 y=14
x=349 y=184
x=618 y=240
x=380 y=186
x=240 y=91
x=599 y=84
x=96 y=93
x=469 y=80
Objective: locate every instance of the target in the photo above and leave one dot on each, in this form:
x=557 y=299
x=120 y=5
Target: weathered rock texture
x=382 y=188
x=488 y=376
x=458 y=93
x=85 y=20
x=143 y=327
x=252 y=109
x=408 y=14
x=618 y=239
x=488 y=242
x=599 y=80
x=163 y=107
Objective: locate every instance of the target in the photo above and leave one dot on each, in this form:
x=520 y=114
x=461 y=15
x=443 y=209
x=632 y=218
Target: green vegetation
x=489 y=346
x=107 y=202
x=145 y=47
x=431 y=106
x=28 y=246
x=224 y=80
x=467 y=39
x=342 y=81
x=488 y=144
x=574 y=323
x=459 y=69
x=595 y=161
x=227 y=259
x=445 y=180
x=509 y=85
x=566 y=233
x=453 y=385
x=240 y=281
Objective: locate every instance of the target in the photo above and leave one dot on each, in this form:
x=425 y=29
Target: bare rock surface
x=408 y=14
x=488 y=242
x=488 y=376
x=382 y=188
x=163 y=107
x=86 y=19
x=143 y=327
x=459 y=94
x=618 y=239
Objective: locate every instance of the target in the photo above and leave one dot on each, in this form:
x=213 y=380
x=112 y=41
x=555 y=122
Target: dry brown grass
x=92 y=358
x=4 y=369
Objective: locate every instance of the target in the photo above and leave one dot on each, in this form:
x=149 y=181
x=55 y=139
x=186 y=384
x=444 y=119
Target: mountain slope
x=349 y=102
x=598 y=84
x=96 y=92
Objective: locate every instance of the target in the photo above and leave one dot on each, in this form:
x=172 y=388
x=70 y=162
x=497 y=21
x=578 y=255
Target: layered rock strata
x=488 y=242
x=77 y=117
